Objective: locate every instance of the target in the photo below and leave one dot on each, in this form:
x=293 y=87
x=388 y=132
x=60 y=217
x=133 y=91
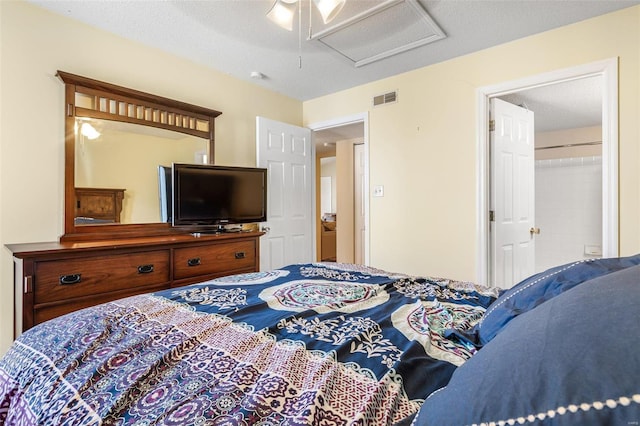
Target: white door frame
x=341 y=121
x=608 y=71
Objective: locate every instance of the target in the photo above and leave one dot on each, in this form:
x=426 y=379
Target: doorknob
x=534 y=231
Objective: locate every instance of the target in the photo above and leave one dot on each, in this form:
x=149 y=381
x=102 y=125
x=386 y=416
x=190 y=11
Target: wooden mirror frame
x=116 y=103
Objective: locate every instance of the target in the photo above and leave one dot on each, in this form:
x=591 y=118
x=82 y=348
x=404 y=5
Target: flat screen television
x=211 y=196
x=165 y=193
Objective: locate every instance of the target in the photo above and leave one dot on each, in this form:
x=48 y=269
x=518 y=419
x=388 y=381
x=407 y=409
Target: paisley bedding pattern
x=322 y=343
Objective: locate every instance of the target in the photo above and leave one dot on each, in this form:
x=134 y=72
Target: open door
x=512 y=200
x=285 y=151
x=607 y=71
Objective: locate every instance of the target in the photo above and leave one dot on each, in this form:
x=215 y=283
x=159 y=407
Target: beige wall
x=130 y=160
x=318 y=219
x=34 y=45
x=423 y=148
x=569 y=137
x=6 y=307
x=346 y=207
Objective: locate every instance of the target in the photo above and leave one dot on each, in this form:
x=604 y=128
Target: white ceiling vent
x=385 y=30
x=387 y=98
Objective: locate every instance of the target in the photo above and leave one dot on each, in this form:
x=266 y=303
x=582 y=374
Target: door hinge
x=491 y=216
x=492 y=125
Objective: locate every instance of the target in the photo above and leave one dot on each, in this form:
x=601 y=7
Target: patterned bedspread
x=309 y=344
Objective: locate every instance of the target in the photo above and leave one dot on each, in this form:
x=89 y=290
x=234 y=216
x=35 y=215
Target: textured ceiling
x=567 y=105
x=233 y=36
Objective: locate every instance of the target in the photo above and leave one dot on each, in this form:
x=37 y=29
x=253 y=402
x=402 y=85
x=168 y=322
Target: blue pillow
x=541 y=287
x=573 y=360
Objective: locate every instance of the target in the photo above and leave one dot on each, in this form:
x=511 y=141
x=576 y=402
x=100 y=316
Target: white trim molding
x=608 y=70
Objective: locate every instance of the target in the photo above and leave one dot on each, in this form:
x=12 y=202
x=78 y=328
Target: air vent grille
x=387 y=98
x=362 y=38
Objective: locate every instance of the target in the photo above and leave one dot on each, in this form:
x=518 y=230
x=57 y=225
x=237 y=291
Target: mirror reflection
x=116 y=169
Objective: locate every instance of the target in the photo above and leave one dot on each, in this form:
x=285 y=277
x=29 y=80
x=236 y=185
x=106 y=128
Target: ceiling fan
x=282 y=11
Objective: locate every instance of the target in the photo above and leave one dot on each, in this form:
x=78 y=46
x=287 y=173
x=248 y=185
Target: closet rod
x=569 y=145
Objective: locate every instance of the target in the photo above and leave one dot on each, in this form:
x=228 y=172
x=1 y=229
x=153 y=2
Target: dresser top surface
x=23 y=250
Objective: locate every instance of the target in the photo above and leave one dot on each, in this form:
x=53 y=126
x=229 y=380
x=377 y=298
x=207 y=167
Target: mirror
x=125 y=157
x=115 y=140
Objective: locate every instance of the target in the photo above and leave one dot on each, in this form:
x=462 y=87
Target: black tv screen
x=208 y=195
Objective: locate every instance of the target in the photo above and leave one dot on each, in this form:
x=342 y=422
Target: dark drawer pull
x=70 y=279
x=194 y=261
x=145 y=269
x=239 y=255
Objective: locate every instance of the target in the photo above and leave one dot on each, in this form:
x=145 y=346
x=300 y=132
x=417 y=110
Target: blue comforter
x=325 y=344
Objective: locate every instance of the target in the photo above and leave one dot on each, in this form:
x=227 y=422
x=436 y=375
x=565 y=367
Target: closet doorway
x=567 y=169
x=576 y=164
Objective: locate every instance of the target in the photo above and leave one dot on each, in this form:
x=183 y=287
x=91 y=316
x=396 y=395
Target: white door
x=285 y=151
x=358 y=203
x=512 y=194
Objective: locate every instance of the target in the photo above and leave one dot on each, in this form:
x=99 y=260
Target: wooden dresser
x=52 y=279
x=99 y=203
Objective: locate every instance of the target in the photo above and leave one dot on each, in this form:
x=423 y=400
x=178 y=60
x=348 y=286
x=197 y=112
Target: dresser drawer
x=69 y=278
x=47 y=311
x=213 y=259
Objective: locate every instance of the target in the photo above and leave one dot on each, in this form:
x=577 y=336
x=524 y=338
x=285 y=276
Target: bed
x=338 y=344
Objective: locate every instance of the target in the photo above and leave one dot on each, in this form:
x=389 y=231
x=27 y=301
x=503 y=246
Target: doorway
x=335 y=143
x=567 y=169
x=606 y=73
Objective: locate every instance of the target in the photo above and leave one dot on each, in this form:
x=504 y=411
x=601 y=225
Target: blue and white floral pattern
x=306 y=344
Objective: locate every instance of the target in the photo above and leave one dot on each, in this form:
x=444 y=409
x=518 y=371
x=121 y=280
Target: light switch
x=378 y=191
